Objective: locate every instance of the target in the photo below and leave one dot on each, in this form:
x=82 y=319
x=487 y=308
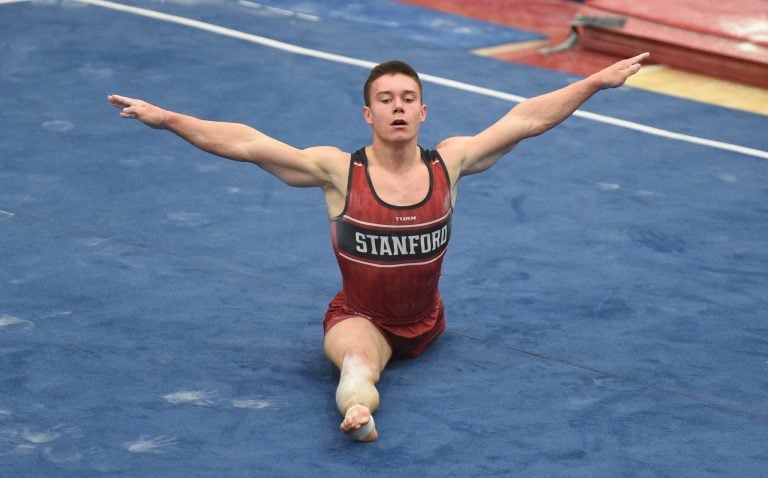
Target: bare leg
x=360 y=352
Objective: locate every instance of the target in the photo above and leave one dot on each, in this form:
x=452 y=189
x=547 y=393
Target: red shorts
x=406 y=340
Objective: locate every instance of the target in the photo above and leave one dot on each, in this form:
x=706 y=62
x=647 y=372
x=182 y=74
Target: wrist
x=167 y=120
x=595 y=82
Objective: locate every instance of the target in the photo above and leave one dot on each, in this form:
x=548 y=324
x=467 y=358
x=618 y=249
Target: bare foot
x=359 y=424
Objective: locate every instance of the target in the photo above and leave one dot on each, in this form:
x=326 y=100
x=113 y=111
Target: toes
x=366 y=433
x=359 y=424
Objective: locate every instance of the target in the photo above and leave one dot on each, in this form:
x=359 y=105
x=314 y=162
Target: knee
x=360 y=359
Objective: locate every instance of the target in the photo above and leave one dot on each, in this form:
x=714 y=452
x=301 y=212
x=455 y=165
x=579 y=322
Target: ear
x=423 y=114
x=367 y=114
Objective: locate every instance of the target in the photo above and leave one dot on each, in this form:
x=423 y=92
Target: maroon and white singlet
x=390 y=258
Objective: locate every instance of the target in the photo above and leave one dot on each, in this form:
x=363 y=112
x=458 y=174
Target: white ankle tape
x=363 y=431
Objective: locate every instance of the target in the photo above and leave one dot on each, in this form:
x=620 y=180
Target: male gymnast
x=390 y=205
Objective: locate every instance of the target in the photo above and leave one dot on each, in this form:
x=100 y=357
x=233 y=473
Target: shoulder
x=465 y=155
x=326 y=153
x=327 y=158
x=453 y=150
x=335 y=165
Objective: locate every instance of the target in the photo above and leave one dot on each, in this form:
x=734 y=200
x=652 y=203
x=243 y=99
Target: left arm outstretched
x=534 y=116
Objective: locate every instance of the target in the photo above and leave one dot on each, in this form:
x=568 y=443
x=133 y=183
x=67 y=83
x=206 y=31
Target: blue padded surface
x=160 y=309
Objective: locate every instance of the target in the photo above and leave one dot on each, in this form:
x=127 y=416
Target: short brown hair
x=392 y=67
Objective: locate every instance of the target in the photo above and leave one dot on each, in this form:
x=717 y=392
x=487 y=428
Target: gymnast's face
x=396 y=111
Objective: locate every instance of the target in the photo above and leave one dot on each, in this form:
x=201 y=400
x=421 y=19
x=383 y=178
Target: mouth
x=399 y=122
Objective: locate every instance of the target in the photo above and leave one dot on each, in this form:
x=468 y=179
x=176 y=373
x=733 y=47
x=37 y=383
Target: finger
x=639 y=58
x=630 y=66
x=116 y=101
x=634 y=68
x=120 y=101
x=130 y=111
x=630 y=62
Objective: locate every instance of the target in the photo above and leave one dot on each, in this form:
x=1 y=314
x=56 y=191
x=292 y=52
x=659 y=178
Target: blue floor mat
x=160 y=309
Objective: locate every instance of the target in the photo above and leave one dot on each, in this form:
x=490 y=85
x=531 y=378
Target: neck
x=394 y=155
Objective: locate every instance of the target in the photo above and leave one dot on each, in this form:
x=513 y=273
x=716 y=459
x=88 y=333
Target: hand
x=616 y=74
x=148 y=114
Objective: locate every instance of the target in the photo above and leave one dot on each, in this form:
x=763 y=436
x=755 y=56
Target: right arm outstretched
x=296 y=167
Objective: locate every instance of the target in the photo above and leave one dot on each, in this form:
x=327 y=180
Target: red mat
x=550 y=17
x=726 y=39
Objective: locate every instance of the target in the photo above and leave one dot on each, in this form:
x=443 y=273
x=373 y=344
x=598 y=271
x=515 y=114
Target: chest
x=403 y=189
x=398 y=203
